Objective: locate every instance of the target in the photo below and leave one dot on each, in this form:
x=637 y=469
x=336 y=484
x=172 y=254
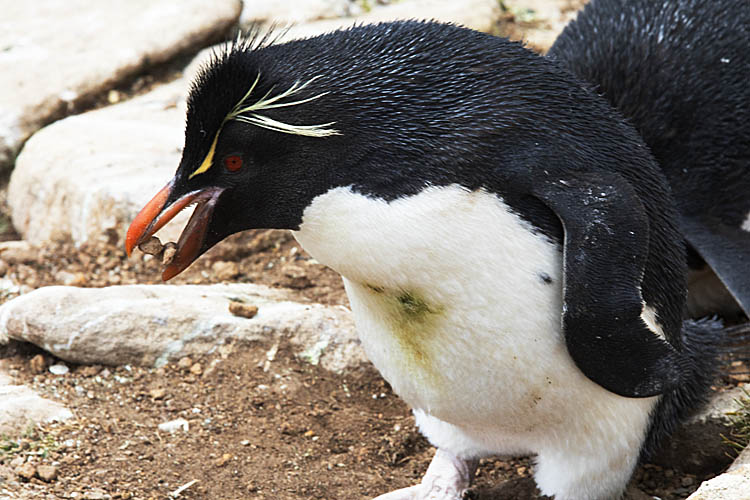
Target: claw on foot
x=447 y=478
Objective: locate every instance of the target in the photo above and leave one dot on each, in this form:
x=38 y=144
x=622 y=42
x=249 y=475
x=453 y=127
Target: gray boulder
x=152 y=324
x=20 y=407
x=732 y=485
x=292 y=11
x=57 y=54
x=480 y=15
x=85 y=177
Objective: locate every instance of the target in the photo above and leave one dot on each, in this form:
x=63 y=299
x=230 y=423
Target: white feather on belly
x=458 y=303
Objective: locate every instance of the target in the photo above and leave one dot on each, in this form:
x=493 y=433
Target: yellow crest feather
x=268 y=102
x=239 y=111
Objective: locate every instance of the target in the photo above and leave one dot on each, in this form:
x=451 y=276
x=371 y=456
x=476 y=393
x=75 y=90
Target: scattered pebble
x=196 y=369
x=17 y=252
x=293 y=271
x=59 y=369
x=175 y=425
x=17 y=462
x=47 y=473
x=96 y=494
x=286 y=428
x=38 y=363
x=158 y=393
x=185 y=363
x=225 y=271
x=243 y=310
x=26 y=471
x=89 y=371
x=70 y=279
x=296 y=277
x=113 y=97
x=221 y=462
x=152 y=246
x=170 y=250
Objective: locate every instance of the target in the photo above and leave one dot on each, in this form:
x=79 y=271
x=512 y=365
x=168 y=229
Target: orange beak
x=155 y=215
x=143 y=226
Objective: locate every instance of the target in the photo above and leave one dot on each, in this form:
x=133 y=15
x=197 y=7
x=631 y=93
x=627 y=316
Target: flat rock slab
x=152 y=324
x=542 y=20
x=732 y=485
x=480 y=15
x=21 y=407
x=292 y=11
x=85 y=177
x=699 y=447
x=55 y=53
x=538 y=21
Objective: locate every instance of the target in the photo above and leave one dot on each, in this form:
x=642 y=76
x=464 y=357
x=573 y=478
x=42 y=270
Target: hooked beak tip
x=170 y=272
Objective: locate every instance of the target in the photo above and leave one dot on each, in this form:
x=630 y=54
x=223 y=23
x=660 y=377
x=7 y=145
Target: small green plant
x=8 y=446
x=739 y=435
x=33 y=441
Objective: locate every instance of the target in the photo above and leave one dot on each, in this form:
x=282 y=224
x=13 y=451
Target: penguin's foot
x=447 y=478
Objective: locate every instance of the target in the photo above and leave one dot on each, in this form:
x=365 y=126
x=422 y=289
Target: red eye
x=233 y=163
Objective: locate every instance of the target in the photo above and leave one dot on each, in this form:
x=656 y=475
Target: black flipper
x=726 y=250
x=604 y=253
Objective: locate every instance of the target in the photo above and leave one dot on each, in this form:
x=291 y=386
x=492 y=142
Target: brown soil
x=292 y=431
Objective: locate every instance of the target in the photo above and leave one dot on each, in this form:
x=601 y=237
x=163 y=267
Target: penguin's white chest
x=457 y=301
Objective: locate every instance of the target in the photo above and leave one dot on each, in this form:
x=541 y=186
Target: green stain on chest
x=412 y=320
x=412 y=306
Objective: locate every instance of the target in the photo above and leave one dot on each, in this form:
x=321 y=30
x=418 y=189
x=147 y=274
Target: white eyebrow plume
x=271 y=102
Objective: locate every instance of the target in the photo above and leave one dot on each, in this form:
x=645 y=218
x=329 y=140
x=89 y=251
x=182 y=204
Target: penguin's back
x=679 y=71
x=498 y=118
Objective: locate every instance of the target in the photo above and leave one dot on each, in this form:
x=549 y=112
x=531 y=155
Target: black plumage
x=447 y=105
x=679 y=72
x=389 y=112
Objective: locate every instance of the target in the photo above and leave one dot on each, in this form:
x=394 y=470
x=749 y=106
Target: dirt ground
x=252 y=429
x=283 y=429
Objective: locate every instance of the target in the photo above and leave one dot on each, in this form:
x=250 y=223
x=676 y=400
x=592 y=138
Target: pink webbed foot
x=447 y=478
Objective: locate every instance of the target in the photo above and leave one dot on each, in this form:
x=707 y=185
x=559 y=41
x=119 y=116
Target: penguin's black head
x=271 y=126
x=257 y=140
x=385 y=110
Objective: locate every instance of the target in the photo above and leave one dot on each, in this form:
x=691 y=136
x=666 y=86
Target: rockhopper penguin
x=508 y=244
x=679 y=70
